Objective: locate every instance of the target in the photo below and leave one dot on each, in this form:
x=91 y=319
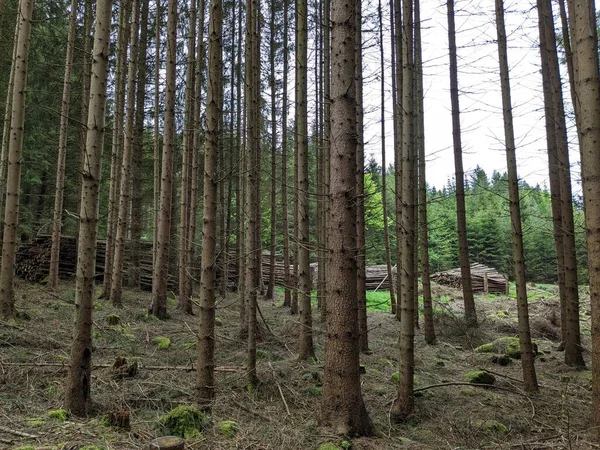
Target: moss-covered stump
x=185 y=421
x=481 y=377
x=167 y=443
x=113 y=319
x=506 y=345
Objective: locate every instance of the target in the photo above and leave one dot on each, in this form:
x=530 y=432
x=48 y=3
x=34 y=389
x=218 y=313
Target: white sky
x=479 y=86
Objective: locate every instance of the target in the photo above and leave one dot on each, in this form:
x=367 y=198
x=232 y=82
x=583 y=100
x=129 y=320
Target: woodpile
x=33 y=260
x=483 y=279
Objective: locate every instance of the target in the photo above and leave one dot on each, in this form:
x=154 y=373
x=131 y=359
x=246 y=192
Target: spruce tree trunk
x=117 y=145
x=587 y=87
x=62 y=151
x=78 y=392
x=326 y=149
x=159 y=279
x=461 y=215
x=343 y=409
x=273 y=208
x=133 y=276
x=305 y=348
x=253 y=183
x=422 y=196
x=404 y=403
x=361 y=280
x=206 y=335
x=157 y=136
x=386 y=232
x=15 y=147
x=398 y=116
x=287 y=299
x=527 y=355
x=116 y=289
x=185 y=276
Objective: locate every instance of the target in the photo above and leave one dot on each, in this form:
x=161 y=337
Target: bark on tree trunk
x=62 y=151
x=15 y=146
x=79 y=378
x=116 y=289
x=287 y=299
x=343 y=409
x=206 y=335
x=404 y=404
x=527 y=355
x=159 y=280
x=587 y=87
x=461 y=216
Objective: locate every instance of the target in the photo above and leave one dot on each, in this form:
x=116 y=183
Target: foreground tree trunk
x=527 y=355
x=343 y=409
x=287 y=299
x=159 y=279
x=62 y=152
x=461 y=215
x=79 y=378
x=206 y=335
x=587 y=88
x=404 y=403
x=305 y=349
x=15 y=146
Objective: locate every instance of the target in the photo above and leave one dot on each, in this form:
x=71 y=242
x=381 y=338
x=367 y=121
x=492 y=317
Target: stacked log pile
x=483 y=279
x=33 y=260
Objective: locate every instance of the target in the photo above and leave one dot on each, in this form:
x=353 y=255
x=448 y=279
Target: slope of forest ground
x=283 y=412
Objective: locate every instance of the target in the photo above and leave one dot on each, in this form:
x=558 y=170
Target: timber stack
x=483 y=279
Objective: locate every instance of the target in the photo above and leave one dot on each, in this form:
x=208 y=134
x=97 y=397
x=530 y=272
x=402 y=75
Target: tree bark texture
x=79 y=378
x=15 y=147
x=527 y=355
x=343 y=409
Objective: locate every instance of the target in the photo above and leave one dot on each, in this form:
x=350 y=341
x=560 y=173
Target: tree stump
x=167 y=443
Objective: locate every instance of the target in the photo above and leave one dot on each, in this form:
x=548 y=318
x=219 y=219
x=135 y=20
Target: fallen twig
x=280 y=390
x=18 y=433
x=65 y=364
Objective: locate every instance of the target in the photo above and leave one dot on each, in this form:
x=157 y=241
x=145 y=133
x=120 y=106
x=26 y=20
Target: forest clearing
x=283 y=411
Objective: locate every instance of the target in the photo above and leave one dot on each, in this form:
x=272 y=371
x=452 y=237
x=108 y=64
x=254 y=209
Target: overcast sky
x=479 y=85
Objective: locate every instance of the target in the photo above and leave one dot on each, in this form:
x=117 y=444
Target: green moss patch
x=506 y=345
x=162 y=343
x=185 y=421
x=228 y=428
x=58 y=414
x=480 y=377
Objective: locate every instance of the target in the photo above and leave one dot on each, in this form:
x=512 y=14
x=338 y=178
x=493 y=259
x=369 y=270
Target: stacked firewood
x=483 y=279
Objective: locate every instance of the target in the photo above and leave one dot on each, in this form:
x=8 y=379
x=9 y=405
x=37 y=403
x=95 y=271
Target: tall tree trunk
x=361 y=277
x=79 y=378
x=461 y=215
x=527 y=355
x=62 y=151
x=116 y=290
x=422 y=198
x=117 y=145
x=273 y=242
x=326 y=149
x=206 y=335
x=404 y=404
x=6 y=125
x=159 y=279
x=305 y=349
x=398 y=117
x=241 y=194
x=185 y=276
x=560 y=186
x=287 y=299
x=15 y=147
x=253 y=184
x=587 y=87
x=343 y=409
x=138 y=150
x=157 y=136
x=386 y=232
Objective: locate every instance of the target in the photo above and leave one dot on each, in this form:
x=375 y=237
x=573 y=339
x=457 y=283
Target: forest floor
x=283 y=412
